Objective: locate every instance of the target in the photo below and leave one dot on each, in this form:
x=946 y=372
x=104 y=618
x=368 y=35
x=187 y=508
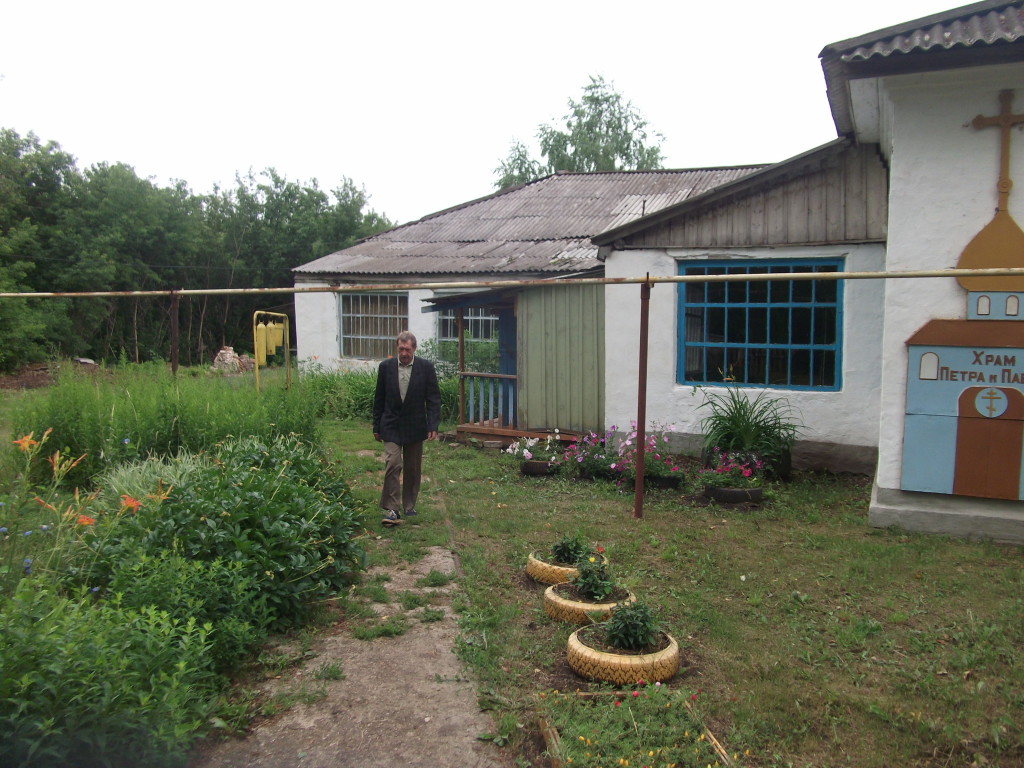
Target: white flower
x=527 y=455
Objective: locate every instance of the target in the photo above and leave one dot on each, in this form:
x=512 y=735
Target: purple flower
x=3 y=529
x=26 y=566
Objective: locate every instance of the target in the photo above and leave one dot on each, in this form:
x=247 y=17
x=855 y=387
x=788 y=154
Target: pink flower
x=527 y=455
x=635 y=694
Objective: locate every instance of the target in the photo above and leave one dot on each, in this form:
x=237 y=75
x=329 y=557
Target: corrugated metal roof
x=988 y=32
x=541 y=227
x=981 y=23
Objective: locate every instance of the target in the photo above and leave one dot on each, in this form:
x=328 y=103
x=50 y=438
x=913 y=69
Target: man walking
x=406 y=411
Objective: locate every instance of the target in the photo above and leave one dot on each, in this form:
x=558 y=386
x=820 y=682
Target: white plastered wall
x=317 y=329
x=943 y=176
x=842 y=426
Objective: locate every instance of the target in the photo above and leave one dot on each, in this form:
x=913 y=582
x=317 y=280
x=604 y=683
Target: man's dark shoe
x=391 y=518
x=410 y=513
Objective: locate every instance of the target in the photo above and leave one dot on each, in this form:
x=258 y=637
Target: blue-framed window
x=780 y=333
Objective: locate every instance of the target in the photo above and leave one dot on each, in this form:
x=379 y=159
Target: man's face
x=406 y=350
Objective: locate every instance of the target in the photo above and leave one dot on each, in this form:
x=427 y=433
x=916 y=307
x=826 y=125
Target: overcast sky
x=416 y=102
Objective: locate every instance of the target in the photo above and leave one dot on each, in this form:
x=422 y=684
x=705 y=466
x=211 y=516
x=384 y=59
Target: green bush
x=274 y=506
x=91 y=684
x=215 y=592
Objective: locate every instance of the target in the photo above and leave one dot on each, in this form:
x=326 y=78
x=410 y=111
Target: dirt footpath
x=403 y=701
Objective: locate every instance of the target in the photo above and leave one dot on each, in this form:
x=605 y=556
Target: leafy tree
x=106 y=229
x=34 y=179
x=602 y=133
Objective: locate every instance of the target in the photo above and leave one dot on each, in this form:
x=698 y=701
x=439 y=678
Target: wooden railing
x=487 y=399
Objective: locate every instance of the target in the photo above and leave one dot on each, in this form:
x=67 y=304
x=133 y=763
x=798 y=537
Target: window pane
x=758 y=292
x=800 y=367
x=778 y=367
x=825 y=365
x=737 y=293
x=778 y=328
x=803 y=291
x=716 y=293
x=737 y=330
x=825 y=290
x=825 y=325
x=758 y=325
x=801 y=326
x=716 y=324
x=779 y=292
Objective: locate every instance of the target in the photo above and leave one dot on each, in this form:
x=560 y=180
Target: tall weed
x=111 y=417
x=347 y=395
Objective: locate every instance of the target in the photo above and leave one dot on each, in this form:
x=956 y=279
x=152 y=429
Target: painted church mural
x=964 y=426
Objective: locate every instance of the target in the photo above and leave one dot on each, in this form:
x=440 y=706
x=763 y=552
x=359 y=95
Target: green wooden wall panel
x=561 y=357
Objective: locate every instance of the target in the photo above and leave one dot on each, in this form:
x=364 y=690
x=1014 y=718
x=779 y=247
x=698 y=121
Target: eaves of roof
x=768 y=176
x=988 y=32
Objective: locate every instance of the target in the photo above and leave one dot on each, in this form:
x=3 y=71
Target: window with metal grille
x=781 y=333
x=479 y=324
x=370 y=323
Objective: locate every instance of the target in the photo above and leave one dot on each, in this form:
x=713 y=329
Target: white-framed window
x=785 y=333
x=479 y=324
x=370 y=323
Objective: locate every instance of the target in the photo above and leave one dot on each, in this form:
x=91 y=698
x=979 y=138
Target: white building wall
x=318 y=335
x=316 y=327
x=942 y=193
x=422 y=324
x=840 y=428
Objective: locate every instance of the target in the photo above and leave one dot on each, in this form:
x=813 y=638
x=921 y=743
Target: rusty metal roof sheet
x=988 y=32
x=543 y=227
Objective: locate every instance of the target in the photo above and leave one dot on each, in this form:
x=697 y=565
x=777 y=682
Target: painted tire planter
x=549 y=573
x=576 y=611
x=537 y=467
x=734 y=495
x=622 y=669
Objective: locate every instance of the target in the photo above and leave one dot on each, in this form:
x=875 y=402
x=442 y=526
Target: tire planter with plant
x=545 y=572
x=629 y=647
x=617 y=666
x=559 y=563
x=562 y=603
x=591 y=595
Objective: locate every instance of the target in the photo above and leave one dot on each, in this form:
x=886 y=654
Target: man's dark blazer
x=409 y=421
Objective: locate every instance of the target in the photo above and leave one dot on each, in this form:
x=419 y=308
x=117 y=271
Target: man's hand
x=376 y=436
x=431 y=435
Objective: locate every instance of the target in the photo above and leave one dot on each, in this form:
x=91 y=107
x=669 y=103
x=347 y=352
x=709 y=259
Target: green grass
x=813 y=638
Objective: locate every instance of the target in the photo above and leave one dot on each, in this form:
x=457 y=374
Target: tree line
x=63 y=229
